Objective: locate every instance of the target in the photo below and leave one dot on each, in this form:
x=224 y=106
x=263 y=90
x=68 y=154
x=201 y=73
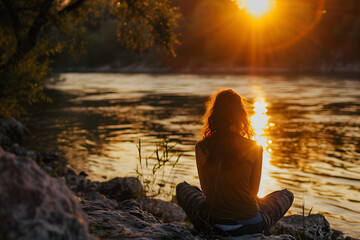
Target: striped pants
x=272 y=207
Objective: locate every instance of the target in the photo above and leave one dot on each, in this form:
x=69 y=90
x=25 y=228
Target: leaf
x=310 y=210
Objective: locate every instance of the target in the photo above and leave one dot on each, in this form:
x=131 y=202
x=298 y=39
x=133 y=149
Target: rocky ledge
x=66 y=205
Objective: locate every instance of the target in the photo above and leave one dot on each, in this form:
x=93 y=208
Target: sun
x=258 y=8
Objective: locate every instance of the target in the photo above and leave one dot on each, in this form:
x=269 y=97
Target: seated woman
x=229 y=167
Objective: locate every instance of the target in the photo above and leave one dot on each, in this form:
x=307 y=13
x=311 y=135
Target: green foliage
x=147 y=22
x=33 y=32
x=153 y=170
x=22 y=85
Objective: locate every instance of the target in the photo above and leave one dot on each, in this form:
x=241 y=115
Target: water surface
x=309 y=127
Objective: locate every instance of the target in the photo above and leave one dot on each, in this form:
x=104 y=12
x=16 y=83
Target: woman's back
x=229 y=166
x=229 y=173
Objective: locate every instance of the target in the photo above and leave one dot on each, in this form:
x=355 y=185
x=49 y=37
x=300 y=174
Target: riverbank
x=43 y=198
x=338 y=72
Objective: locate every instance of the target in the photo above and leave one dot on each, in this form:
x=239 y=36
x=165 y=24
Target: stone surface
x=167 y=211
x=79 y=184
x=49 y=156
x=260 y=236
x=337 y=235
x=11 y=132
x=34 y=205
x=211 y=234
x=128 y=220
x=122 y=188
x=314 y=226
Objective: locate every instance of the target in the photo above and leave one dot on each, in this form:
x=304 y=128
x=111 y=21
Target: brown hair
x=225 y=115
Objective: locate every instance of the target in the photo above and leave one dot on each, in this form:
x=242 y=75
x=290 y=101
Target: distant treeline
x=296 y=34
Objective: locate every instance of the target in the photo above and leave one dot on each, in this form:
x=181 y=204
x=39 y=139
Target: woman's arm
x=200 y=161
x=256 y=171
x=200 y=155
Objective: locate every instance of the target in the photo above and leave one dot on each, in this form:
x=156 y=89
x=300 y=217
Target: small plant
x=92 y=229
x=154 y=172
x=302 y=236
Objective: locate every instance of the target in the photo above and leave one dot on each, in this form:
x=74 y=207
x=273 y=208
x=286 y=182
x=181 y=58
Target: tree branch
x=15 y=22
x=26 y=44
x=29 y=42
x=71 y=7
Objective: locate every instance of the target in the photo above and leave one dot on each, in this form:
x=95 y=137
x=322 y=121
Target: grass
x=302 y=236
x=154 y=173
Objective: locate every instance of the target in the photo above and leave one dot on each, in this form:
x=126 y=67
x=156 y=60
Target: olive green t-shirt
x=230 y=177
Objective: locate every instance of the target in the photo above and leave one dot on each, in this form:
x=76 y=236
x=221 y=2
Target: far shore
x=342 y=72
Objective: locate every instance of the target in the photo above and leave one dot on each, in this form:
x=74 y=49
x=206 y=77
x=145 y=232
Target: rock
x=49 y=156
x=128 y=220
x=34 y=205
x=84 y=174
x=167 y=211
x=211 y=234
x=79 y=185
x=96 y=196
x=316 y=227
x=122 y=188
x=33 y=155
x=260 y=236
x=69 y=171
x=11 y=132
x=48 y=169
x=350 y=238
x=24 y=152
x=337 y=235
x=18 y=150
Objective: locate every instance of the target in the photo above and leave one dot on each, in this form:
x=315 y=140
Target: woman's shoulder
x=246 y=141
x=202 y=144
x=248 y=145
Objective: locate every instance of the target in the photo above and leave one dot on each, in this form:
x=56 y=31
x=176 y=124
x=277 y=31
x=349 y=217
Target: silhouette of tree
x=32 y=31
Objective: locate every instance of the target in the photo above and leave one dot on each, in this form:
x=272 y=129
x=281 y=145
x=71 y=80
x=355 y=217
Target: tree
x=32 y=31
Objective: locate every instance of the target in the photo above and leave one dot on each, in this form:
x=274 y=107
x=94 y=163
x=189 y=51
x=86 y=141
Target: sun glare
x=255 y=8
x=260 y=123
x=258 y=7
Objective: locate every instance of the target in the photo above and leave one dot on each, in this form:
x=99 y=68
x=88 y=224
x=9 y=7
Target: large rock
x=122 y=188
x=314 y=226
x=11 y=132
x=128 y=220
x=34 y=205
x=167 y=211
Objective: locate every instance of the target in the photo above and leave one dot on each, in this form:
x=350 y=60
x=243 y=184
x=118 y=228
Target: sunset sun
x=258 y=7
x=255 y=8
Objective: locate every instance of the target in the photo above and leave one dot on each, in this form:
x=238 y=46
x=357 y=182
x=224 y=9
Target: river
x=309 y=128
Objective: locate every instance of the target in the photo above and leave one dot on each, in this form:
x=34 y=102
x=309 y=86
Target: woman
x=229 y=167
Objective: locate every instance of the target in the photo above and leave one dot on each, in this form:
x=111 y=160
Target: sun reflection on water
x=260 y=123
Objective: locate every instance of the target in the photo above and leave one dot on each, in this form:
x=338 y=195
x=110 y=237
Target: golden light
x=258 y=7
x=260 y=123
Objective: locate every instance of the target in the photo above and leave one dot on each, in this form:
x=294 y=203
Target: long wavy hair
x=225 y=116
